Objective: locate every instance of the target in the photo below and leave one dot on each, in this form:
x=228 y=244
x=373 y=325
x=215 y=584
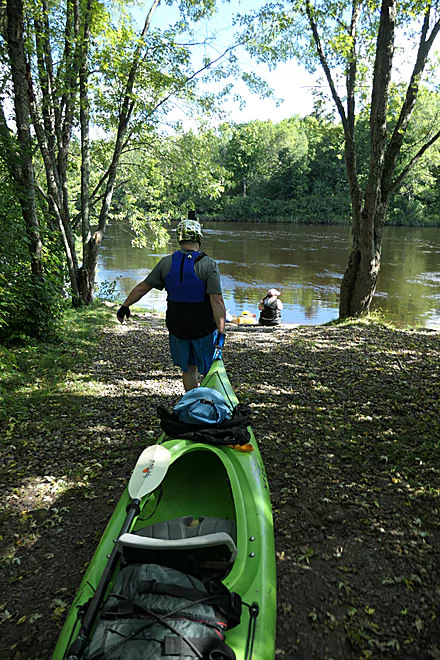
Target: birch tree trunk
x=21 y=163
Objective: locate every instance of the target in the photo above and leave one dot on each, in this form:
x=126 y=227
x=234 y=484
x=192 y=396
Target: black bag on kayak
x=231 y=431
x=159 y=613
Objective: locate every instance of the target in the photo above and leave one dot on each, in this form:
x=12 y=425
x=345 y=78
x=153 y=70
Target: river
x=306 y=263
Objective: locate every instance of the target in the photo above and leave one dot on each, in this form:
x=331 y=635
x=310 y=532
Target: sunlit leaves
x=195 y=10
x=101 y=68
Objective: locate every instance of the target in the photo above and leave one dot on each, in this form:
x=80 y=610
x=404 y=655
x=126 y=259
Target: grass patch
x=374 y=318
x=377 y=317
x=38 y=369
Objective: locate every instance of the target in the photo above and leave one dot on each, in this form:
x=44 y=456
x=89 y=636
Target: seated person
x=270 y=308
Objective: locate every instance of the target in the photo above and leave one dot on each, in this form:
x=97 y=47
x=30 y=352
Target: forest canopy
x=294 y=171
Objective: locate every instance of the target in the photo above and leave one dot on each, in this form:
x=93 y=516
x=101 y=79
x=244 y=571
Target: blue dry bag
x=202 y=405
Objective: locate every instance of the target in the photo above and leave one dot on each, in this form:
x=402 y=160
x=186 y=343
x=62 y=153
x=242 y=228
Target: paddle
x=150 y=469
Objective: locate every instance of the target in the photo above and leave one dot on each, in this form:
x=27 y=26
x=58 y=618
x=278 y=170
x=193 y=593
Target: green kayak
x=201 y=480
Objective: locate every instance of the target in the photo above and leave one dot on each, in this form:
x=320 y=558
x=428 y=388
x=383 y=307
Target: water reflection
x=305 y=263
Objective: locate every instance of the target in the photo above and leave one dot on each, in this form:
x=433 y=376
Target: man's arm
x=136 y=294
x=219 y=310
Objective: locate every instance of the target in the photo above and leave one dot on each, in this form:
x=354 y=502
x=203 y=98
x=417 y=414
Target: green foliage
x=292 y=171
x=8 y=367
x=163 y=178
x=105 y=68
x=29 y=307
x=341 y=39
x=250 y=154
x=417 y=201
x=107 y=290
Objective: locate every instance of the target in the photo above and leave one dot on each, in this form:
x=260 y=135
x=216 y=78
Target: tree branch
x=352 y=67
x=151 y=111
x=379 y=105
x=395 y=185
x=400 y=129
x=347 y=122
x=45 y=73
x=326 y=68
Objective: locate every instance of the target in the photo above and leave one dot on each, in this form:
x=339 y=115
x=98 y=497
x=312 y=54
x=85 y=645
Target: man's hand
x=220 y=341
x=218 y=346
x=122 y=313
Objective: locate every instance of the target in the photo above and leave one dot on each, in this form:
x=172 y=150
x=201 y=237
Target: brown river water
x=305 y=263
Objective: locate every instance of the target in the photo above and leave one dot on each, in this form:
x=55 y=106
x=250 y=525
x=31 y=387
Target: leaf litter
x=348 y=422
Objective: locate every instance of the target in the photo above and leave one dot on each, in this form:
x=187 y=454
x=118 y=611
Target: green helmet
x=189 y=230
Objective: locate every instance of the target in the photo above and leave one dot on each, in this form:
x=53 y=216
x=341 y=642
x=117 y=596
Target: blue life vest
x=182 y=283
x=189 y=312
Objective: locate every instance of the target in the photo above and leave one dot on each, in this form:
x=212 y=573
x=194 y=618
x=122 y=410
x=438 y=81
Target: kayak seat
x=186 y=527
x=182 y=543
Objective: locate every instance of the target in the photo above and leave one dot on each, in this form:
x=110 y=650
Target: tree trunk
x=91 y=246
x=360 y=278
x=87 y=272
x=24 y=170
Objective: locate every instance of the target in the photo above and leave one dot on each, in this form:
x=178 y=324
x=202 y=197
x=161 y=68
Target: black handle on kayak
x=254 y=611
x=77 y=647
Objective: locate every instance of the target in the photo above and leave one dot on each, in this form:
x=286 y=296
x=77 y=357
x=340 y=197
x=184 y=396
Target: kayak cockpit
x=189 y=523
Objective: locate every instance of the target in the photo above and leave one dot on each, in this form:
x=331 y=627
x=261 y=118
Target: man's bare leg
x=190 y=378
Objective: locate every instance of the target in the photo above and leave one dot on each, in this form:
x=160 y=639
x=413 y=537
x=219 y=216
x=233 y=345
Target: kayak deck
x=215 y=482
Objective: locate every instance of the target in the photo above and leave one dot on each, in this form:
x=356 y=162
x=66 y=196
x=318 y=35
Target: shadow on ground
x=348 y=421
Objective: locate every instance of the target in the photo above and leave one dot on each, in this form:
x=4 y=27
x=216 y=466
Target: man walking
x=196 y=312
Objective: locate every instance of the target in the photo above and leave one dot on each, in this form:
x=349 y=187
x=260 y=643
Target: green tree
x=30 y=279
x=290 y=164
x=354 y=45
x=249 y=154
x=291 y=170
x=19 y=151
x=416 y=202
x=84 y=65
x=30 y=303
x=160 y=176
x=266 y=163
x=326 y=199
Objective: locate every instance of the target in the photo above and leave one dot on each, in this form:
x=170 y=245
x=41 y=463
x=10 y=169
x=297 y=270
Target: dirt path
x=348 y=421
